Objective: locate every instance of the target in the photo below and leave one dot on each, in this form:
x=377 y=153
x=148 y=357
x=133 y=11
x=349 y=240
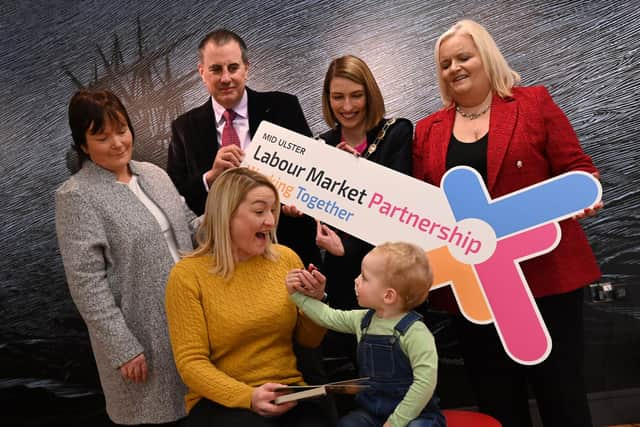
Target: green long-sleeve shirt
x=417 y=344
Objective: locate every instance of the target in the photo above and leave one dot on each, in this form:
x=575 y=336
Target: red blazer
x=530 y=140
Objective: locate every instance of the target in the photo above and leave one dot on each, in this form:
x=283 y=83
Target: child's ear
x=390 y=296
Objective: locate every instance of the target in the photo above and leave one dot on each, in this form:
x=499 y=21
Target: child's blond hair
x=407 y=270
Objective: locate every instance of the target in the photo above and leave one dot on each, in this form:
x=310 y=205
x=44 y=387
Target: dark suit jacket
x=530 y=140
x=394 y=152
x=194 y=145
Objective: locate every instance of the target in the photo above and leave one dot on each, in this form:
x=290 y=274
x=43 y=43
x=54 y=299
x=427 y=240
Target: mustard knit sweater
x=231 y=336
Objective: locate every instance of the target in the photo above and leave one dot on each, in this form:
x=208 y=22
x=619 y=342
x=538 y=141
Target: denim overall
x=390 y=375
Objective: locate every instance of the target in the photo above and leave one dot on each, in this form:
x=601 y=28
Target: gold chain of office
x=374 y=145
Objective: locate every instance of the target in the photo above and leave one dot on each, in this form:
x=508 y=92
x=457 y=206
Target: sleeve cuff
x=204 y=181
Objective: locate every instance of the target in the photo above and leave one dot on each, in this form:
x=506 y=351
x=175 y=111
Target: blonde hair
x=355 y=69
x=214 y=235
x=407 y=270
x=500 y=74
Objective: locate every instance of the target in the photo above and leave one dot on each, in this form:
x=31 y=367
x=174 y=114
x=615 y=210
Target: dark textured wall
x=586 y=52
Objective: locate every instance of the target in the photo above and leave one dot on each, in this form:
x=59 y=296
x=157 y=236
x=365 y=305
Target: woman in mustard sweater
x=230 y=319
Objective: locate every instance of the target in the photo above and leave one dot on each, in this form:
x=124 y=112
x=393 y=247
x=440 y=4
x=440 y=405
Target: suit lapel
x=332 y=136
x=207 y=142
x=441 y=135
x=504 y=113
x=258 y=110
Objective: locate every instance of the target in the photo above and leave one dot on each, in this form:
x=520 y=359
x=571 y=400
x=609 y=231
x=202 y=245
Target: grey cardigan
x=117 y=262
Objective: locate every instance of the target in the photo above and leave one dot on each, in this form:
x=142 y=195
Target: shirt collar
x=241 y=109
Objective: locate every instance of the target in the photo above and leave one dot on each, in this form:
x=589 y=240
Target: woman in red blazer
x=514 y=137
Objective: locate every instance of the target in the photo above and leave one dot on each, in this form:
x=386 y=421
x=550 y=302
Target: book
x=310 y=391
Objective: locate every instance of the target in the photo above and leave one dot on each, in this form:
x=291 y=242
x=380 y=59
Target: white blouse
x=165 y=227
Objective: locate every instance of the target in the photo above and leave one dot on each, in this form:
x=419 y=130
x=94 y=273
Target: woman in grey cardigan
x=121 y=225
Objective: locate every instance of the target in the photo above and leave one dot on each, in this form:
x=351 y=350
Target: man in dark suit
x=199 y=153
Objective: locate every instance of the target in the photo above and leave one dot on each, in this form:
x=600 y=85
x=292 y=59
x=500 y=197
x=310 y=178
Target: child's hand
x=309 y=282
x=387 y=424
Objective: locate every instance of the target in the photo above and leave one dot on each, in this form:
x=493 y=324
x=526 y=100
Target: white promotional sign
x=362 y=198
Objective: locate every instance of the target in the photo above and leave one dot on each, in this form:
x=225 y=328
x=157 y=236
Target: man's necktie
x=229 y=134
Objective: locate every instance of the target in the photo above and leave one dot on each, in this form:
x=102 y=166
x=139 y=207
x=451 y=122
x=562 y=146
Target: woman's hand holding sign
x=328 y=240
